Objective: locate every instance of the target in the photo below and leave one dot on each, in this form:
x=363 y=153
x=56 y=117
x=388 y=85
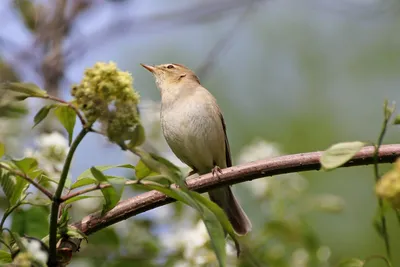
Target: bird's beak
x=148 y=67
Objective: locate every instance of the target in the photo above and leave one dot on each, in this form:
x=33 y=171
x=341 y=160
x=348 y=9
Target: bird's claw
x=216 y=171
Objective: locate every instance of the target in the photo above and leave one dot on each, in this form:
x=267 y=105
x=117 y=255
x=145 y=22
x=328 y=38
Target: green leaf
x=5 y=257
x=42 y=114
x=74 y=232
x=26 y=164
x=31 y=222
x=67 y=117
x=102 y=168
x=162 y=166
x=12 y=110
x=214 y=227
x=397 y=120
x=87 y=178
x=83 y=182
x=138 y=136
x=77 y=198
x=13 y=187
x=38 y=202
x=221 y=216
x=29 y=89
x=2 y=149
x=111 y=194
x=351 y=263
x=142 y=171
x=174 y=169
x=217 y=236
x=339 y=154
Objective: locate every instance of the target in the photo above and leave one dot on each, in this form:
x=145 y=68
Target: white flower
x=191 y=240
x=34 y=247
x=53 y=140
x=257 y=150
x=51 y=151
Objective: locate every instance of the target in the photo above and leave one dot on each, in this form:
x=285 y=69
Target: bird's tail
x=227 y=201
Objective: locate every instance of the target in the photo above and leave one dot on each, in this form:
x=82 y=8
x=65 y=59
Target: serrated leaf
x=13 y=187
x=5 y=257
x=351 y=263
x=2 y=149
x=42 y=114
x=111 y=194
x=339 y=154
x=138 y=136
x=67 y=117
x=29 y=89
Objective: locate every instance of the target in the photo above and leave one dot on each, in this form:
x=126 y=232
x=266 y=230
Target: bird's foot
x=216 y=171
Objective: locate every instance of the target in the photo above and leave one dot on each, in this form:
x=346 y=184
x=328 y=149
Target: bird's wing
x=227 y=149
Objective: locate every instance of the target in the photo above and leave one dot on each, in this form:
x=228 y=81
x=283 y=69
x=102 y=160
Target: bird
x=194 y=128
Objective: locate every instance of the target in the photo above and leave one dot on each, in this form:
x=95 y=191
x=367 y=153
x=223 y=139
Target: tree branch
x=233 y=175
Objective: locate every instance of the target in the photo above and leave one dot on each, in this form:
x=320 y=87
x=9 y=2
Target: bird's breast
x=194 y=132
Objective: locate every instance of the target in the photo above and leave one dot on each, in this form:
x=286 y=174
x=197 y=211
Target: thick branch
x=233 y=175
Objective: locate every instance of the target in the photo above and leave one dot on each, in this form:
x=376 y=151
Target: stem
x=6 y=213
x=81 y=118
x=101 y=186
x=57 y=198
x=30 y=180
x=377 y=177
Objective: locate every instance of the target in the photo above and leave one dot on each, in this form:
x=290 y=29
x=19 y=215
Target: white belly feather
x=193 y=129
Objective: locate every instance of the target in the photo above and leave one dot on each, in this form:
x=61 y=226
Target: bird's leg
x=216 y=171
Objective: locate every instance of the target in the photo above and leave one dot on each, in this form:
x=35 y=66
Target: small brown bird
x=194 y=128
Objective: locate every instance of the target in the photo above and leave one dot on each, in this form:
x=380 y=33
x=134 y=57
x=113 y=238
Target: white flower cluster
x=192 y=241
x=257 y=150
x=51 y=151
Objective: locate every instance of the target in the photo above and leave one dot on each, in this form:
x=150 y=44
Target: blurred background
x=291 y=76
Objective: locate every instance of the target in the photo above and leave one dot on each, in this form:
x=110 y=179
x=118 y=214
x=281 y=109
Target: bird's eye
x=170 y=66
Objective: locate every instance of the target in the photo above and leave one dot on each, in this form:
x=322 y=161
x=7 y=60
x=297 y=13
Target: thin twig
x=28 y=179
x=229 y=176
x=78 y=113
x=383 y=231
x=97 y=187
